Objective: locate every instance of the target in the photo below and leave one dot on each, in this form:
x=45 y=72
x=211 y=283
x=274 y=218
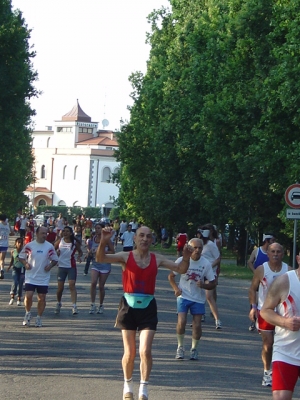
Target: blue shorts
x=39 y=289
x=3 y=249
x=184 y=306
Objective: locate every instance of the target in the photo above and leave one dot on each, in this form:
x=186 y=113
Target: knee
x=146 y=353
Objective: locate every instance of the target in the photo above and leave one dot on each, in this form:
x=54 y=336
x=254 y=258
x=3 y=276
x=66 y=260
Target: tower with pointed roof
x=74 y=126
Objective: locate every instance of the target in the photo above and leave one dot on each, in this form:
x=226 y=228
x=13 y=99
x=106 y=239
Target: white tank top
x=266 y=281
x=286 y=346
x=66 y=256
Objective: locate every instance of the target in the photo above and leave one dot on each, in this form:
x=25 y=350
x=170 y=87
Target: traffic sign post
x=292 y=198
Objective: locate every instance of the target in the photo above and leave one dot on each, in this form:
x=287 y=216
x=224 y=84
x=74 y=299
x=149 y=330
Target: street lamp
x=103 y=207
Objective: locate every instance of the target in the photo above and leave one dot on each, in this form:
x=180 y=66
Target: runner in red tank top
x=137 y=309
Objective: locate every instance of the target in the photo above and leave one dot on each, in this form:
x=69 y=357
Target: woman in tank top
x=99 y=272
x=66 y=248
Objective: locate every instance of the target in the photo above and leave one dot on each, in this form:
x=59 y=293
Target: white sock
x=128 y=386
x=143 y=390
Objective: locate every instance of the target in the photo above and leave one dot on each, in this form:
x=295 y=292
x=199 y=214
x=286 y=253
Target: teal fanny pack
x=138 y=300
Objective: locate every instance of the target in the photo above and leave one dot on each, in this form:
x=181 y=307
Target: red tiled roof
x=76 y=114
x=37 y=189
x=100 y=141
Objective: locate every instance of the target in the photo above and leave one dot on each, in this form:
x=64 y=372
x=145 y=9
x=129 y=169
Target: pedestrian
x=18 y=273
x=38 y=258
x=23 y=224
x=258 y=256
x=28 y=235
x=190 y=294
x=181 y=239
x=66 y=247
x=5 y=232
x=137 y=309
x=99 y=271
x=127 y=239
x=284 y=297
x=51 y=235
x=262 y=279
x=211 y=253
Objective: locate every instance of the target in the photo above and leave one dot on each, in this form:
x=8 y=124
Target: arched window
x=106 y=175
x=42 y=202
x=75 y=172
x=116 y=170
x=64 y=172
x=43 y=172
x=48 y=141
x=62 y=203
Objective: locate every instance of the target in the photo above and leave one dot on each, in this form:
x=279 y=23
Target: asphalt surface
x=79 y=357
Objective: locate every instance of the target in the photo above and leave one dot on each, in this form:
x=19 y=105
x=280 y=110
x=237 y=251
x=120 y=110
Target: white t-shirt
x=60 y=223
x=198 y=270
x=211 y=253
x=23 y=223
x=128 y=238
x=123 y=227
x=38 y=256
x=4 y=233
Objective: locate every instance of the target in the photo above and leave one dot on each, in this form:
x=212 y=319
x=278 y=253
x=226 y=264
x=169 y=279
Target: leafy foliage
x=16 y=89
x=213 y=134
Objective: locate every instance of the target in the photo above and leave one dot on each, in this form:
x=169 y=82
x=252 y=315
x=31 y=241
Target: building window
x=64 y=172
x=116 y=170
x=106 y=175
x=62 y=203
x=42 y=202
x=43 y=172
x=59 y=129
x=75 y=172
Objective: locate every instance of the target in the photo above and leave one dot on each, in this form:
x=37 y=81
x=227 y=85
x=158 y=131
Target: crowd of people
x=273 y=294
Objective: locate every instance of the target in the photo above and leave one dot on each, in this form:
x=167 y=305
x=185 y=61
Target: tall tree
x=16 y=89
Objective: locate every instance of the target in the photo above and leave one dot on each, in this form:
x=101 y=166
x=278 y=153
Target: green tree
x=16 y=89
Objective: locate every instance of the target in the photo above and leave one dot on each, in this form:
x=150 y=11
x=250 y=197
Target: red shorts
x=285 y=376
x=263 y=325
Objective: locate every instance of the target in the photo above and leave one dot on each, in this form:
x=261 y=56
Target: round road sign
x=292 y=195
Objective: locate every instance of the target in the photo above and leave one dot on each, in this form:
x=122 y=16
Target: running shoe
x=74 y=310
x=92 y=309
x=11 y=302
x=2 y=274
x=267 y=379
x=252 y=327
x=218 y=324
x=100 y=310
x=27 y=318
x=143 y=397
x=193 y=354
x=128 y=396
x=179 y=353
x=38 y=322
x=19 y=303
x=57 y=308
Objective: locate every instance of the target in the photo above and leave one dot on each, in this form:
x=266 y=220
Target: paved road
x=78 y=357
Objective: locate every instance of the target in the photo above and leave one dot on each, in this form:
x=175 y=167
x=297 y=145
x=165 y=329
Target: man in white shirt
x=190 y=294
x=127 y=239
x=38 y=258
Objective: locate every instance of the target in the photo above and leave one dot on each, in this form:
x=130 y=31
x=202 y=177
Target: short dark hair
x=3 y=217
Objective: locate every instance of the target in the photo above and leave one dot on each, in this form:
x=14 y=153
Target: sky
x=86 y=50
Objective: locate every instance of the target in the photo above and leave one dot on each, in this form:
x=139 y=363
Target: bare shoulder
x=280 y=286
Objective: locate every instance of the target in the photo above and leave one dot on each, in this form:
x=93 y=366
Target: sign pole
x=295 y=244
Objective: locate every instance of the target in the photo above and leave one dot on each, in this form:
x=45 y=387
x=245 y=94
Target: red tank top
x=139 y=280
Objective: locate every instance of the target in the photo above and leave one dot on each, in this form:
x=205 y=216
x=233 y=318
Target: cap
x=266 y=236
x=205 y=233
